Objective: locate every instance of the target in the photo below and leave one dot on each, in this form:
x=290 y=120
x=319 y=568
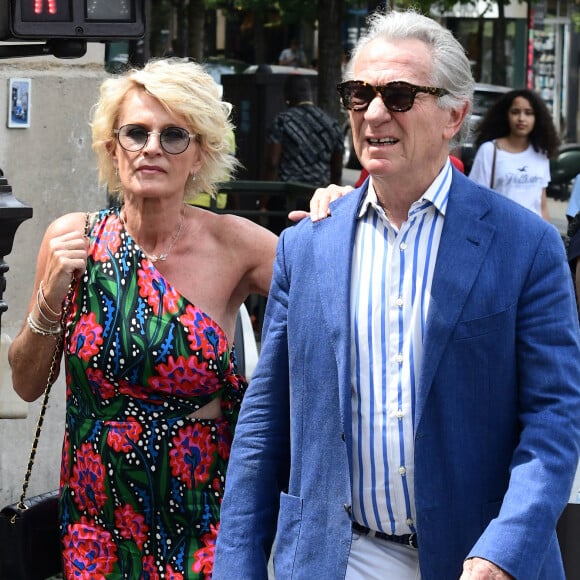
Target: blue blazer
x=497 y=415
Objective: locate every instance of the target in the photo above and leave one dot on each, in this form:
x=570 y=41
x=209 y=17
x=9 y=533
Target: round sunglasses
x=397 y=96
x=173 y=140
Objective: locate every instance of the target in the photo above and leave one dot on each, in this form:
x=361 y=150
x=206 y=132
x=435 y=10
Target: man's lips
x=382 y=141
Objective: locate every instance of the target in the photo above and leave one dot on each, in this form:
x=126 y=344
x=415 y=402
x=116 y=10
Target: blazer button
x=347 y=508
x=343 y=436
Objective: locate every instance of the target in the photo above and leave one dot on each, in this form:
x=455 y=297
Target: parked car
x=279 y=69
x=217 y=66
x=483 y=97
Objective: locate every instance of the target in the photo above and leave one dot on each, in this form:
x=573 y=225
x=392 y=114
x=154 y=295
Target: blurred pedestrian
x=515 y=140
x=574 y=201
x=304 y=144
x=293 y=55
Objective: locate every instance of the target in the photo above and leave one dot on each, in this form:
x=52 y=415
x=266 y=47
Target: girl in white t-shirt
x=516 y=138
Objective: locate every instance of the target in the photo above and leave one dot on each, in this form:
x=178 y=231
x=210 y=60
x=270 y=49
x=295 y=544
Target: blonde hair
x=184 y=89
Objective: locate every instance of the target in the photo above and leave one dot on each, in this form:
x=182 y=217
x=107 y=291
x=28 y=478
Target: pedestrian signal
x=79 y=19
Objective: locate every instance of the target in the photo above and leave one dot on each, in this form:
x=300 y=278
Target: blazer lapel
x=333 y=240
x=464 y=244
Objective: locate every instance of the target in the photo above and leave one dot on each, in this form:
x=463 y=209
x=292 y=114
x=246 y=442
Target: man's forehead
x=408 y=59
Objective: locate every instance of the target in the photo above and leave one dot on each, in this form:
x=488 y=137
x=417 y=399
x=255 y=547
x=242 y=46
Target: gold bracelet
x=38 y=328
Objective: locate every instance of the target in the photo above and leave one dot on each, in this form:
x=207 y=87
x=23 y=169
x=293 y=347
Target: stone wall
x=51 y=167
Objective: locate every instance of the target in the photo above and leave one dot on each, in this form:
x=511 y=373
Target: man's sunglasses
x=397 y=96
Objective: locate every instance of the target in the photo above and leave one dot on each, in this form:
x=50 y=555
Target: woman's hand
x=319 y=203
x=66 y=258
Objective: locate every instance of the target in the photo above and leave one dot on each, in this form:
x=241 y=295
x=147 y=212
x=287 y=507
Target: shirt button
x=410 y=521
x=403 y=246
x=402 y=470
x=399 y=358
x=400 y=414
x=399 y=302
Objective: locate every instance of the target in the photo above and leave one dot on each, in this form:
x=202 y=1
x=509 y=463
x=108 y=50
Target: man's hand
x=480 y=569
x=319 y=203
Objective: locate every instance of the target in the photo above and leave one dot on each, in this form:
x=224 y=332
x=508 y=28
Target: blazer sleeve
x=259 y=465
x=522 y=536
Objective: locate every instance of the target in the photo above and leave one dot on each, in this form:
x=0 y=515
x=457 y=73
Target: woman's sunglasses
x=397 y=96
x=173 y=140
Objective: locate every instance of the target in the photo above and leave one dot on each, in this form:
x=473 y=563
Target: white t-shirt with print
x=519 y=176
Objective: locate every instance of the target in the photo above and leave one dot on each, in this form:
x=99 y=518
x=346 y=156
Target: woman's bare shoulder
x=230 y=228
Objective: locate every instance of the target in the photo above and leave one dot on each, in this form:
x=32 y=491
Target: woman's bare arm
x=62 y=256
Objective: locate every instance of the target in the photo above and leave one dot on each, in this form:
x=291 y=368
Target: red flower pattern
x=131 y=525
x=122 y=435
x=88 y=480
x=108 y=242
x=89 y=552
x=101 y=387
x=203 y=557
x=192 y=452
x=86 y=338
x=184 y=376
x=171 y=574
x=153 y=287
x=149 y=568
x=204 y=333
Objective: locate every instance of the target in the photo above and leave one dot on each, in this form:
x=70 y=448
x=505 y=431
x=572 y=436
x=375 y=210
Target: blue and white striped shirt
x=392 y=272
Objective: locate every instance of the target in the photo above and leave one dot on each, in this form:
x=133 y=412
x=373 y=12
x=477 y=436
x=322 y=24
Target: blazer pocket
x=287 y=536
x=481 y=326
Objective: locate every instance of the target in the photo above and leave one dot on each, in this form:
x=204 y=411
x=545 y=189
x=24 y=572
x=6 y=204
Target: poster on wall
x=19 y=103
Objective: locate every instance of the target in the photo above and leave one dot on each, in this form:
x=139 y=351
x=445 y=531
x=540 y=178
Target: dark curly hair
x=544 y=137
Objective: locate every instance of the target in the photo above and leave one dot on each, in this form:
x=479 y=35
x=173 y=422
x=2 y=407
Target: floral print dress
x=141 y=482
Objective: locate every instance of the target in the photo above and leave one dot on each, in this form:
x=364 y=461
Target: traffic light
x=72 y=19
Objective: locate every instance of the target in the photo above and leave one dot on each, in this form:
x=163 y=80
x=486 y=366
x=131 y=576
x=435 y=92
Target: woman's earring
x=116 y=172
x=193 y=177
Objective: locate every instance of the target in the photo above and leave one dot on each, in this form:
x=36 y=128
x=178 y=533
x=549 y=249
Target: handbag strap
x=49 y=382
x=493 y=165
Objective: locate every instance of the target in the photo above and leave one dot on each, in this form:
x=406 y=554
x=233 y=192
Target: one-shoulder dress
x=141 y=482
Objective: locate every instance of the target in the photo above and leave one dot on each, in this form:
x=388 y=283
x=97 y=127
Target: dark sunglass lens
x=398 y=99
x=133 y=135
x=175 y=139
x=358 y=95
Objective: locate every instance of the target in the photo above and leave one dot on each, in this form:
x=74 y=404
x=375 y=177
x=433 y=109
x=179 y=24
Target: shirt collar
x=437 y=194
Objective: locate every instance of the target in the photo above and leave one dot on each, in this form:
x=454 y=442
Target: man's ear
x=456 y=118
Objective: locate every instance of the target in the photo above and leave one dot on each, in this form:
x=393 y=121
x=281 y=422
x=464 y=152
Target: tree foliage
x=324 y=16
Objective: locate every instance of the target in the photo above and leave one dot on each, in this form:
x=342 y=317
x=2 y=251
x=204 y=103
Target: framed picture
x=19 y=103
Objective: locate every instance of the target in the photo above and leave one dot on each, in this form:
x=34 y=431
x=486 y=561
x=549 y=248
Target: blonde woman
x=152 y=388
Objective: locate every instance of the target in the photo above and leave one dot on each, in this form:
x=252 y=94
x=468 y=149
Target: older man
x=415 y=411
